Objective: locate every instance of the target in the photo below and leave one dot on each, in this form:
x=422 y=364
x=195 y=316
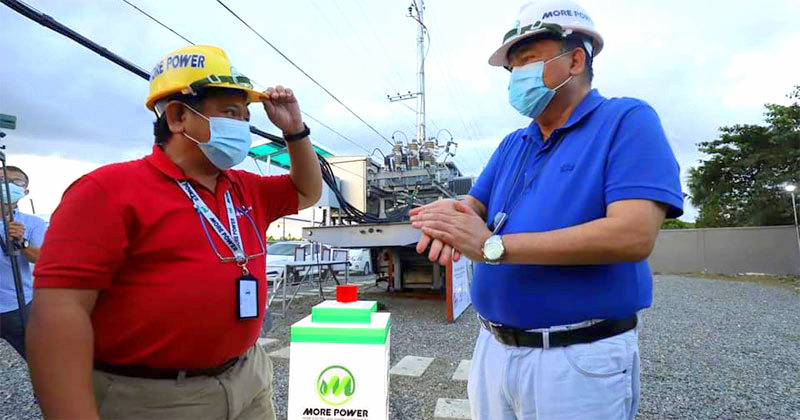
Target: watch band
x=299 y=136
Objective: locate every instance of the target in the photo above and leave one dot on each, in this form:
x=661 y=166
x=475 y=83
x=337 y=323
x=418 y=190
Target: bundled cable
x=350 y=211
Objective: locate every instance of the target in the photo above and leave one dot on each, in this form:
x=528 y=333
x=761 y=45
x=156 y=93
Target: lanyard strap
x=510 y=205
x=232 y=239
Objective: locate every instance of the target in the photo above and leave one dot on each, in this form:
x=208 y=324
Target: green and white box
x=339 y=363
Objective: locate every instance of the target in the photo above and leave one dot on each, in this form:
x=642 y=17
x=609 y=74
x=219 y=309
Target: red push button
x=346 y=293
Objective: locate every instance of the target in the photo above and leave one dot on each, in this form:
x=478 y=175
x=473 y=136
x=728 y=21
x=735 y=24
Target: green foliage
x=741 y=184
x=677 y=224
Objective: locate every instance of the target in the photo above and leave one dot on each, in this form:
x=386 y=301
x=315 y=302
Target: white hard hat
x=562 y=17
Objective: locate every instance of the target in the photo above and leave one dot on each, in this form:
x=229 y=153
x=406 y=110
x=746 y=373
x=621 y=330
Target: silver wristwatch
x=493 y=249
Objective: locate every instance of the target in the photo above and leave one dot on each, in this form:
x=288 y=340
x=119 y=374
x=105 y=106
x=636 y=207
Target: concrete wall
x=771 y=250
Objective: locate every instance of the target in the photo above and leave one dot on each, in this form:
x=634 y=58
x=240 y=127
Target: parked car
x=278 y=254
x=360 y=261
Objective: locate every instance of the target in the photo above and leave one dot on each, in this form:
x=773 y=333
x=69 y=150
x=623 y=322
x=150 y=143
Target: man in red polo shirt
x=151 y=288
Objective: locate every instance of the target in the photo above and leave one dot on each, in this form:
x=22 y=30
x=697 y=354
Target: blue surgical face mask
x=229 y=142
x=527 y=92
x=16 y=191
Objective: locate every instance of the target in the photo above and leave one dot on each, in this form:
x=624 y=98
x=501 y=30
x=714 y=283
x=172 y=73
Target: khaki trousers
x=243 y=392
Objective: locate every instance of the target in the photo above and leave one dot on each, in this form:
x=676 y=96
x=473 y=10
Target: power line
x=190 y=42
x=450 y=83
x=336 y=132
x=341 y=39
x=303 y=71
x=156 y=21
x=349 y=47
x=380 y=41
x=470 y=127
x=252 y=80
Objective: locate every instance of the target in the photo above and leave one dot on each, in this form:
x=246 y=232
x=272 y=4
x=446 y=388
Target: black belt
x=157 y=373
x=521 y=338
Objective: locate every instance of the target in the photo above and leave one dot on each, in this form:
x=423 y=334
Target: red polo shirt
x=166 y=300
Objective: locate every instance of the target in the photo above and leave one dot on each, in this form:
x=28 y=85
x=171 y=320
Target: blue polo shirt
x=34 y=232
x=609 y=150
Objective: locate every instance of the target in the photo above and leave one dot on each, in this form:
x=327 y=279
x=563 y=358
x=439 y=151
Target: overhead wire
x=335 y=132
x=342 y=40
x=360 y=40
x=391 y=87
x=156 y=21
x=451 y=83
x=379 y=40
x=469 y=125
x=467 y=130
x=303 y=71
x=165 y=26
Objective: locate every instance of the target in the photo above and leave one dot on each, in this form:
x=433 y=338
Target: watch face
x=493 y=250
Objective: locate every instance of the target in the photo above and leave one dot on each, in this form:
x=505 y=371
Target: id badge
x=247 y=297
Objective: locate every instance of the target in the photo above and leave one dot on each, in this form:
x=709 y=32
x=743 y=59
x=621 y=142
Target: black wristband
x=299 y=136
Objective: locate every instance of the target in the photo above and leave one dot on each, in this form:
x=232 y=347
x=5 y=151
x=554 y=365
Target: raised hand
x=283 y=110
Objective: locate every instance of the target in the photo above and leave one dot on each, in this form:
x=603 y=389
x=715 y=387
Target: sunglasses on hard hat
x=236 y=80
x=551 y=27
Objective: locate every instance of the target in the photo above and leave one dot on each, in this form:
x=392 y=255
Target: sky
x=701 y=64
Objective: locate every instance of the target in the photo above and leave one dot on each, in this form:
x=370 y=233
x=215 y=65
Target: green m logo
x=336 y=385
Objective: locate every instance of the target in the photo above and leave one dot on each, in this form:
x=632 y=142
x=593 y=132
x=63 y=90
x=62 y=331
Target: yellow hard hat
x=188 y=69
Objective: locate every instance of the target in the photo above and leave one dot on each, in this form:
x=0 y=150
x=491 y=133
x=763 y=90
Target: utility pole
x=415 y=11
x=420 y=73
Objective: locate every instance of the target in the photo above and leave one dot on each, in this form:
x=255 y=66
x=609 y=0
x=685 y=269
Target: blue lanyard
x=232 y=239
x=501 y=217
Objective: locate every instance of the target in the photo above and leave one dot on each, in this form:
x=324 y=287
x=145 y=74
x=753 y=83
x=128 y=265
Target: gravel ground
x=16 y=394
x=711 y=349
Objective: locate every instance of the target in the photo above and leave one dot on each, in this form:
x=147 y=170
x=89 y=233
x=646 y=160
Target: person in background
x=27 y=233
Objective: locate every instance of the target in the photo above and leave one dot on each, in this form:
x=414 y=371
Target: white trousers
x=599 y=380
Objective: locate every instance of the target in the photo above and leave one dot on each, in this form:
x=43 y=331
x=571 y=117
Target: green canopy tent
x=277 y=154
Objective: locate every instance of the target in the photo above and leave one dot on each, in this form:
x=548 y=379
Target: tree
x=741 y=184
x=677 y=224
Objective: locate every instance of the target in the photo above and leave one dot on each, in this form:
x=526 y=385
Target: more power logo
x=336 y=385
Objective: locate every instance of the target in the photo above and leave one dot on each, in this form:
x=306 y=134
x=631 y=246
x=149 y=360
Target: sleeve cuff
x=670 y=198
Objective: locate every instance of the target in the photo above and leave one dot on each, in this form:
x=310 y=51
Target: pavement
x=710 y=349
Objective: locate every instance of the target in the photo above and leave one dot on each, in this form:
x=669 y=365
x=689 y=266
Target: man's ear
x=176 y=113
x=578 y=62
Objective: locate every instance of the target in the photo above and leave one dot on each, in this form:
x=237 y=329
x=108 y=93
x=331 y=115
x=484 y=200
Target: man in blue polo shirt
x=561 y=220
